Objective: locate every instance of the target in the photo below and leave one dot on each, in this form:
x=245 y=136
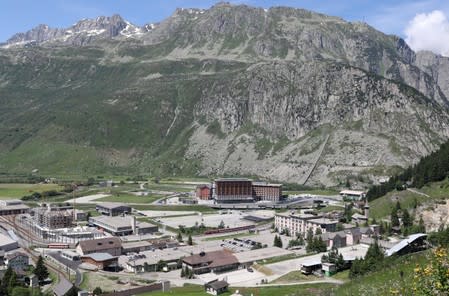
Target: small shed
x=216 y=287
x=329 y=269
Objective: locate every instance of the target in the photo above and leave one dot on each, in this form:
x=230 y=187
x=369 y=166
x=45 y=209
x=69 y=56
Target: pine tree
x=41 y=270
x=189 y=240
x=407 y=221
x=5 y=280
x=97 y=291
x=12 y=283
x=394 y=217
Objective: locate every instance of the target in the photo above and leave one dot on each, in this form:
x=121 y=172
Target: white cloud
x=429 y=31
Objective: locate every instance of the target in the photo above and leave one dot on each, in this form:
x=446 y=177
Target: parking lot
x=230 y=218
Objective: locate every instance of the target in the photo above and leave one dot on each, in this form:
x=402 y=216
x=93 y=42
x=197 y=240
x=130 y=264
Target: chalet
x=216 y=261
x=216 y=287
x=111 y=245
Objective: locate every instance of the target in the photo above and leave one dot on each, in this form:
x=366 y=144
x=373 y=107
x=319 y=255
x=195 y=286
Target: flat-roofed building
x=266 y=191
x=148 y=261
x=136 y=247
x=7 y=244
x=301 y=223
x=353 y=194
x=13 y=207
x=113 y=209
x=111 y=245
x=120 y=226
x=233 y=190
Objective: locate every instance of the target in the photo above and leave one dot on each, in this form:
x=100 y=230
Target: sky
x=424 y=24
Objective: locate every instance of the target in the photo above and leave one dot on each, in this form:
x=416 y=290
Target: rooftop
x=136 y=244
x=88 y=246
x=217 y=285
x=298 y=215
x=405 y=242
x=233 y=180
x=213 y=259
x=112 y=205
x=62 y=287
x=5 y=240
x=99 y=256
x=261 y=254
x=323 y=221
x=115 y=221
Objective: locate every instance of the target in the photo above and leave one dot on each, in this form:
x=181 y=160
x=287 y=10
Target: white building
x=301 y=223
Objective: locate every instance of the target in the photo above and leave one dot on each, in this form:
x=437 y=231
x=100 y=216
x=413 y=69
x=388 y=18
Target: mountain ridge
x=231 y=90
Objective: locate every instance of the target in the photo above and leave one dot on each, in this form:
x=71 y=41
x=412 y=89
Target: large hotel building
x=240 y=190
x=301 y=223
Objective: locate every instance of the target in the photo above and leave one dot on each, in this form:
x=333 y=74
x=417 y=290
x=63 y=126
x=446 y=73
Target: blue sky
x=390 y=16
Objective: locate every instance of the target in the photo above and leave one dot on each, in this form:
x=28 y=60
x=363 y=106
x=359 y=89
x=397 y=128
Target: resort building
x=301 y=223
x=233 y=190
x=266 y=191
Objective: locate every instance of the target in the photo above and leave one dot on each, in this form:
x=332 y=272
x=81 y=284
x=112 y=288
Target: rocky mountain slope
x=283 y=94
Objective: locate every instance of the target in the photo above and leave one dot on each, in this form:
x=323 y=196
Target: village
x=253 y=235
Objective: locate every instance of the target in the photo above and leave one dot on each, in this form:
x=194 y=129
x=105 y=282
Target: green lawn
x=13 y=191
x=291 y=290
x=294 y=277
x=384 y=281
x=382 y=206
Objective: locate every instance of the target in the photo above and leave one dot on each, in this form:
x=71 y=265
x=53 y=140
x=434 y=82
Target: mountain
x=283 y=94
x=82 y=33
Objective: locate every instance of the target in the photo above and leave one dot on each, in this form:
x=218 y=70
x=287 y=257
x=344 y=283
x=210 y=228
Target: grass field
x=294 y=277
x=292 y=290
x=386 y=281
x=13 y=191
x=382 y=206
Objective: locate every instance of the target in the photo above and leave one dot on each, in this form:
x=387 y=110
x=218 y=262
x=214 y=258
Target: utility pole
x=74 y=202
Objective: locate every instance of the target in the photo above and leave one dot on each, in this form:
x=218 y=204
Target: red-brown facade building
x=266 y=191
x=204 y=191
x=233 y=190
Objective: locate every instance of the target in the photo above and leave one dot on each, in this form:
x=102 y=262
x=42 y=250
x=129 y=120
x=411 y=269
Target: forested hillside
x=431 y=168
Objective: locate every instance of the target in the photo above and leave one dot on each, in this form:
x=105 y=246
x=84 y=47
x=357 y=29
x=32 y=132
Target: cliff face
x=285 y=94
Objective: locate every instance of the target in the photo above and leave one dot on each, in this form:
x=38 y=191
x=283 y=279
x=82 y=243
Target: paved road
x=71 y=264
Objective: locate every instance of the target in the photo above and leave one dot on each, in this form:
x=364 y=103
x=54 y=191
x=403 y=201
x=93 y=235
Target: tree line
x=431 y=168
